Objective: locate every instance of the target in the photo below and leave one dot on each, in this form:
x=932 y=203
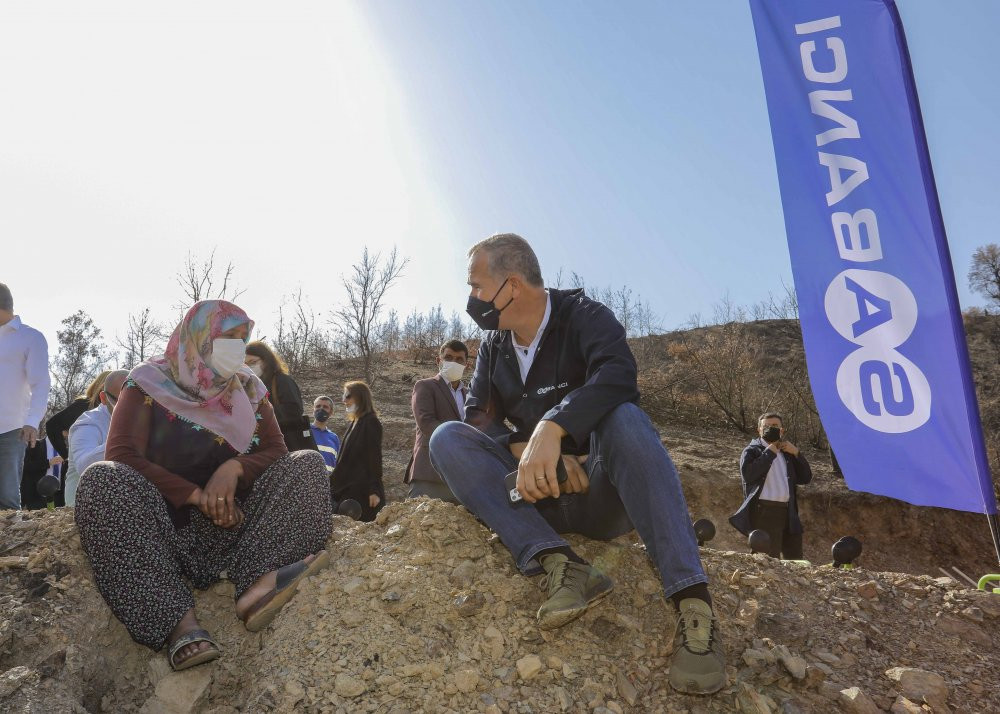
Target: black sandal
x=286 y=584
x=189 y=638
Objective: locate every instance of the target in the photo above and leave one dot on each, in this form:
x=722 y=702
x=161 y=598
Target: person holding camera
x=771 y=468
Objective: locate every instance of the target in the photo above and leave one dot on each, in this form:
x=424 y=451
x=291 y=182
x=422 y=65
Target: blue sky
x=627 y=141
x=631 y=142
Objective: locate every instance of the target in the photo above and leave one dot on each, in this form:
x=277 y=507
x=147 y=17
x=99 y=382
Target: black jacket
x=755 y=462
x=61 y=421
x=583 y=369
x=358 y=472
x=287 y=401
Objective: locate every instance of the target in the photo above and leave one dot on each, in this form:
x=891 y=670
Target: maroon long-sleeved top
x=178 y=456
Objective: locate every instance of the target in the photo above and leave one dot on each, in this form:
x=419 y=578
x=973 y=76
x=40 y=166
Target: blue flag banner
x=883 y=334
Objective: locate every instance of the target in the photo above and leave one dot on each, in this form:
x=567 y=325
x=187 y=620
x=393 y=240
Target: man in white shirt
x=771 y=467
x=88 y=436
x=24 y=393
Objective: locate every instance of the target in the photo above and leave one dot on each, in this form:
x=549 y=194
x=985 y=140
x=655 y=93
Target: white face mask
x=351 y=409
x=257 y=369
x=452 y=371
x=228 y=355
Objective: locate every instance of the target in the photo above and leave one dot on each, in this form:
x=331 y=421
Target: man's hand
x=789 y=448
x=577 y=481
x=29 y=435
x=55 y=460
x=373 y=500
x=536 y=472
x=774 y=446
x=218 y=498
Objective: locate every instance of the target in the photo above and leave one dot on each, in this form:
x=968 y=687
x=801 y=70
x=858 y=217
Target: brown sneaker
x=572 y=587
x=698 y=665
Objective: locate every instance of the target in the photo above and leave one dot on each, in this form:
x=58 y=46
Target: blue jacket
x=583 y=369
x=755 y=462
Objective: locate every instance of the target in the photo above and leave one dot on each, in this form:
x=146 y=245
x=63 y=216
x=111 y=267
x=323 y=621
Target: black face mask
x=321 y=415
x=487 y=314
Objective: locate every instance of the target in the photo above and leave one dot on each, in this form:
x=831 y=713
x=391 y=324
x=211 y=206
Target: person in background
x=358 y=474
x=89 y=434
x=284 y=395
x=40 y=482
x=326 y=440
x=436 y=400
x=771 y=468
x=24 y=392
x=198 y=481
x=57 y=426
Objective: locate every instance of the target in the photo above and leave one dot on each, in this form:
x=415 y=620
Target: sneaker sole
x=557 y=619
x=692 y=686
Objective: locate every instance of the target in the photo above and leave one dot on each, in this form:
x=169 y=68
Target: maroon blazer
x=433 y=404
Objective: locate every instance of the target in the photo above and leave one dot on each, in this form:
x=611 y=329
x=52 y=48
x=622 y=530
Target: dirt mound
x=423 y=611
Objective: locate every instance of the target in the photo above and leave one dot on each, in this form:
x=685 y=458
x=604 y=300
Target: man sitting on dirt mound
x=555 y=364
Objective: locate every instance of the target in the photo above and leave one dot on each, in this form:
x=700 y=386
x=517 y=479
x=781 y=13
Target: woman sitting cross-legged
x=198 y=481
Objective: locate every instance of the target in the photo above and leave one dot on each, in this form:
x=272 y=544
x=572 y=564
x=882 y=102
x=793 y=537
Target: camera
x=772 y=434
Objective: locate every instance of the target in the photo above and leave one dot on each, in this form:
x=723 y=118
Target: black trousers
x=772 y=518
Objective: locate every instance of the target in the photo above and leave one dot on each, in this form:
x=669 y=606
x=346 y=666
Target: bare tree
x=200 y=280
x=145 y=338
x=456 y=327
x=390 y=334
x=783 y=307
x=726 y=360
x=80 y=358
x=984 y=273
x=358 y=320
x=296 y=331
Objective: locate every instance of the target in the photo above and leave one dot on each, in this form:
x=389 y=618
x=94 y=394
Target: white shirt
x=456 y=393
x=776 y=481
x=526 y=355
x=88 y=438
x=24 y=376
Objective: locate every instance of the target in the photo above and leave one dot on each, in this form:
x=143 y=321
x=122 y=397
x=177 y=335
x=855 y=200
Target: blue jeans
x=632 y=482
x=11 y=469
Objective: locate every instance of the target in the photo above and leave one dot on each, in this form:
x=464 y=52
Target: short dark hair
x=6 y=299
x=454 y=346
x=510 y=253
x=322 y=397
x=769 y=415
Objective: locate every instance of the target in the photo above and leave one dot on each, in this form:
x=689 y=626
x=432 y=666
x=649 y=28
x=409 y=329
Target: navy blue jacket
x=583 y=370
x=755 y=462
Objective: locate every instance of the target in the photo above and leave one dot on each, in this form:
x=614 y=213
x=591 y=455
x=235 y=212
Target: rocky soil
x=423 y=611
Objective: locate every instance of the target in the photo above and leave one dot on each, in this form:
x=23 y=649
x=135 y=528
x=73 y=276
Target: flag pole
x=995 y=532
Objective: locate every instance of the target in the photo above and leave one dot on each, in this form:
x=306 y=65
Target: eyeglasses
x=346 y=397
x=112 y=400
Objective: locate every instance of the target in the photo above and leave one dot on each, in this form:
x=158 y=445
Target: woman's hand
x=373 y=500
x=218 y=498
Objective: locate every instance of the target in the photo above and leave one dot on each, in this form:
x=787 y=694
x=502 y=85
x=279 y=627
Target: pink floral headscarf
x=183 y=382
